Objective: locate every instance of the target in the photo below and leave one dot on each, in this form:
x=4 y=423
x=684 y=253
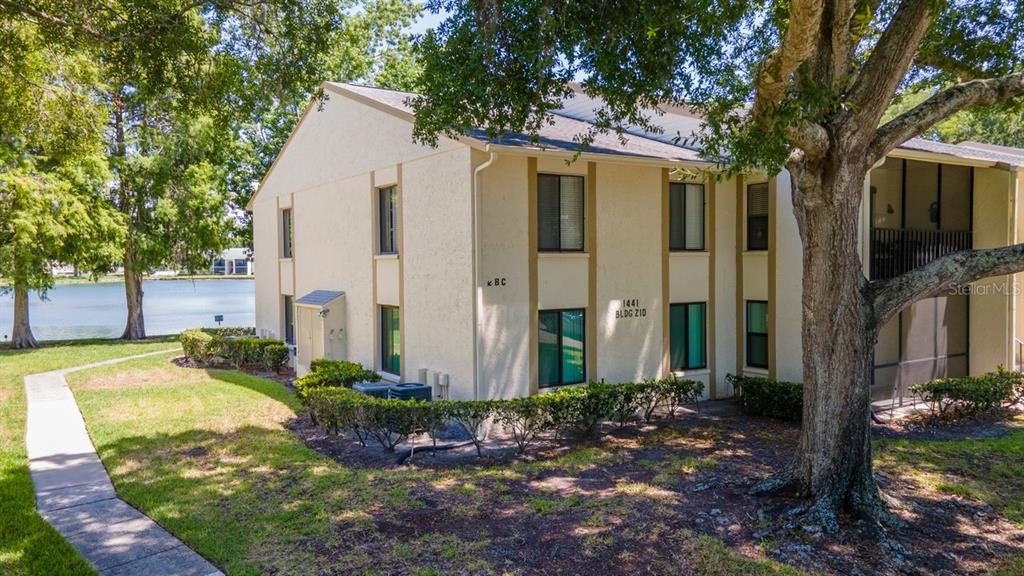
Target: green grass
x=207 y=454
x=990 y=470
x=28 y=546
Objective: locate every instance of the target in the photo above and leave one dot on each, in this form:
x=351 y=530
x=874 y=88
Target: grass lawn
x=28 y=546
x=990 y=469
x=207 y=454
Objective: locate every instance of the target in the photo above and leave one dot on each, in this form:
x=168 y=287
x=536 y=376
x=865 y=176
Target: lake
x=88 y=310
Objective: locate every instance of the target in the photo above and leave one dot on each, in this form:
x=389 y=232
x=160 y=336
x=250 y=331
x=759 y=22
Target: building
x=512 y=268
x=232 y=262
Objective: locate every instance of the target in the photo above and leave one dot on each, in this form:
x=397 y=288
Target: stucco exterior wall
x=503 y=278
x=437 y=290
x=629 y=267
x=788 y=298
x=991 y=299
x=333 y=257
x=724 y=230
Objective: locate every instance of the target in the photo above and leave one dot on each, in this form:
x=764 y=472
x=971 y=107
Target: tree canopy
x=800 y=84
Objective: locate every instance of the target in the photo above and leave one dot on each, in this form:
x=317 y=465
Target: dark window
x=390 y=340
x=559 y=213
x=757 y=216
x=387 y=214
x=562 y=348
x=686 y=216
x=286 y=233
x=757 y=334
x=289 y=320
x=687 y=336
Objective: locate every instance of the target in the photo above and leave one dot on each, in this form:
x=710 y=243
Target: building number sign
x=630 y=308
x=497 y=281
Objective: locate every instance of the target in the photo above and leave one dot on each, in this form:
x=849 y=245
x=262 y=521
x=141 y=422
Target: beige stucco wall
x=327 y=174
x=788 y=298
x=992 y=298
x=629 y=267
x=437 y=291
x=333 y=257
x=724 y=229
x=504 y=320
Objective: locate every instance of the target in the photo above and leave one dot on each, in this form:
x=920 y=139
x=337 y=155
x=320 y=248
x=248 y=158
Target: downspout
x=476 y=267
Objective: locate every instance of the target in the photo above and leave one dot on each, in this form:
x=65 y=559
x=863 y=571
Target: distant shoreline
x=113 y=279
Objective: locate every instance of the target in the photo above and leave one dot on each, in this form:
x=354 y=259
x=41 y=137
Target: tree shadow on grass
x=269 y=388
x=28 y=545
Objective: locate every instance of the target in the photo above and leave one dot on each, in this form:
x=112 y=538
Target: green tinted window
x=562 y=346
x=687 y=336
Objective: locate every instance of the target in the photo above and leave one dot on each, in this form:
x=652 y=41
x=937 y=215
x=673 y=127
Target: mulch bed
x=941 y=534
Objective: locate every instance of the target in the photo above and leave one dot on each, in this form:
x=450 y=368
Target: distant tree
x=1002 y=124
x=53 y=175
x=201 y=95
x=802 y=84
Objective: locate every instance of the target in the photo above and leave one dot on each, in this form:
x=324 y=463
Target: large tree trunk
x=135 y=328
x=839 y=333
x=21 y=332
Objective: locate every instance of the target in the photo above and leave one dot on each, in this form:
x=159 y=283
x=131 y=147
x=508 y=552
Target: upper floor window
x=387 y=214
x=757 y=216
x=286 y=233
x=686 y=216
x=559 y=213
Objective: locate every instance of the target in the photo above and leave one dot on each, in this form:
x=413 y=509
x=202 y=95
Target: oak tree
x=800 y=84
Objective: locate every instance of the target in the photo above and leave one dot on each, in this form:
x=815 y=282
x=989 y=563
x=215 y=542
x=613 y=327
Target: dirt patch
x=639 y=495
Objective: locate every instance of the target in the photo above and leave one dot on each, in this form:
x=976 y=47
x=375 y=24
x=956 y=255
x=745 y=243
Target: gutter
x=476 y=268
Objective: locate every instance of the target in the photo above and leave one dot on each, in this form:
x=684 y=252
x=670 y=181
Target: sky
x=427 y=20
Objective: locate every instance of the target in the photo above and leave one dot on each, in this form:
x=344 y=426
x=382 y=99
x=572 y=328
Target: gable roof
x=559 y=133
x=678 y=126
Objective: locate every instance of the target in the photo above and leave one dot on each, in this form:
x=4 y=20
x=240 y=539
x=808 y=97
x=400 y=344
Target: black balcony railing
x=894 y=252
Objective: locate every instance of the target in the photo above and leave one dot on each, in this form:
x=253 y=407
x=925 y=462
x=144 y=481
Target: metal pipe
x=476 y=268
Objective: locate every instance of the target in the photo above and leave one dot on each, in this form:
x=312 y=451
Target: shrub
x=203 y=344
x=197 y=345
x=333 y=373
x=626 y=401
x=275 y=356
x=232 y=331
x=675 y=392
x=387 y=420
x=472 y=415
x=524 y=417
x=968 y=395
x=768 y=397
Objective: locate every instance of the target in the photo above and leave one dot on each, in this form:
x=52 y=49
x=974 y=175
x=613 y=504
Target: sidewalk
x=74 y=493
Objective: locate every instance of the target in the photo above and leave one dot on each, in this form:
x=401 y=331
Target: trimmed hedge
x=971 y=395
x=235 y=346
x=581 y=409
x=333 y=374
x=768 y=397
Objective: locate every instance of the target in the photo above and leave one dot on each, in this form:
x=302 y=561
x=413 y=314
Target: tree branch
x=940 y=276
x=984 y=92
x=808 y=136
x=798 y=44
x=889 y=61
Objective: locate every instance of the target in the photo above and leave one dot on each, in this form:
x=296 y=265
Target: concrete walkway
x=74 y=493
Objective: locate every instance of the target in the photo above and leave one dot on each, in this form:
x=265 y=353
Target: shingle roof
x=320 y=297
x=558 y=134
x=678 y=126
x=969 y=151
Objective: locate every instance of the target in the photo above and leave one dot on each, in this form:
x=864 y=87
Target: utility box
x=319 y=328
